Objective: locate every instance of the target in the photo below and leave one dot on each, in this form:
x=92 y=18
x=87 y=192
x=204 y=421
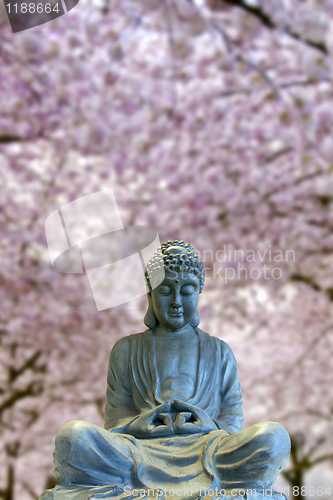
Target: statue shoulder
x=218 y=343
x=122 y=346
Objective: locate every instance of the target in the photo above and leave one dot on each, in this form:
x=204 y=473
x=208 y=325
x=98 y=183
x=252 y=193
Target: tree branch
x=308 y=281
x=33 y=389
x=323 y=458
x=254 y=10
x=231 y=46
x=29 y=363
x=6 y=139
x=312 y=284
x=304 y=354
x=269 y=23
x=29 y=490
x=313 y=413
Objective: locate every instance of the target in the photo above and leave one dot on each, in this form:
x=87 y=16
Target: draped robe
x=133 y=382
x=91 y=462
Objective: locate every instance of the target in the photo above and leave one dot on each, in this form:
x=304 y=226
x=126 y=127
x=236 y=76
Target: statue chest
x=176 y=367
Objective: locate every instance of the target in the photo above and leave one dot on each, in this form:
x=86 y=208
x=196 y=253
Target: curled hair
x=175 y=256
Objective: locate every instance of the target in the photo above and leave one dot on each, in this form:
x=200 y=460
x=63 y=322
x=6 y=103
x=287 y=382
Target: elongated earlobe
x=150 y=318
x=195 y=320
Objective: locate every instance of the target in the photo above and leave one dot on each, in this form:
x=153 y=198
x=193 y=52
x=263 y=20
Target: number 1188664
x=31 y=8
x=304 y=491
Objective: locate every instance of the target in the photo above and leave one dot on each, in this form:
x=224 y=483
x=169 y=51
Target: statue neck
x=160 y=331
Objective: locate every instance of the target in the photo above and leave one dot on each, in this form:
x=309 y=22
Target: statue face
x=175 y=300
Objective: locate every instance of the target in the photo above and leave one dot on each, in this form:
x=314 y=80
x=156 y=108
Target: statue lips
x=176 y=313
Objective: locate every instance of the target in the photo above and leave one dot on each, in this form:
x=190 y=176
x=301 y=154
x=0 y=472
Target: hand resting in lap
x=169 y=419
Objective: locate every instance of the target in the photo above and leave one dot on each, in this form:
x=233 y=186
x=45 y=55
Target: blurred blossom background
x=212 y=122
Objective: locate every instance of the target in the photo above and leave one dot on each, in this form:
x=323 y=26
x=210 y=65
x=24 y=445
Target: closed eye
x=164 y=290
x=187 y=290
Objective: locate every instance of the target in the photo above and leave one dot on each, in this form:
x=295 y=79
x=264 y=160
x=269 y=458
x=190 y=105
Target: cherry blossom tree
x=212 y=123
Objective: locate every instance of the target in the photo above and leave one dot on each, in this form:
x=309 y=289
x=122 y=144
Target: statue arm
x=119 y=409
x=231 y=415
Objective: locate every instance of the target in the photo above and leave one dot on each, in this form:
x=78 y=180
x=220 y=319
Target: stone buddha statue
x=173 y=416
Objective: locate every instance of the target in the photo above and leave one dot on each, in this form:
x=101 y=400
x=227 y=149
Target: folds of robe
x=92 y=461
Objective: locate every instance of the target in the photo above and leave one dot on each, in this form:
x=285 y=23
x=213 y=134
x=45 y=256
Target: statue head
x=175 y=277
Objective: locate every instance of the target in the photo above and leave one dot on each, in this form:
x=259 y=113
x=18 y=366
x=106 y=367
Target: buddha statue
x=173 y=416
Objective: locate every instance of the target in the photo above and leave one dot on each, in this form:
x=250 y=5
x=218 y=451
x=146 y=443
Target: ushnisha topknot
x=174 y=256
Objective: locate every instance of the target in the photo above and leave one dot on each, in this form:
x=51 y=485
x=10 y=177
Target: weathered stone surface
x=173 y=418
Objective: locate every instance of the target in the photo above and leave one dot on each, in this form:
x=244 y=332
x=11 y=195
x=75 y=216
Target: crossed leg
x=251 y=458
x=80 y=456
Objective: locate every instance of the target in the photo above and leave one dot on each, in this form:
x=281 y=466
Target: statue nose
x=176 y=302
x=176 y=305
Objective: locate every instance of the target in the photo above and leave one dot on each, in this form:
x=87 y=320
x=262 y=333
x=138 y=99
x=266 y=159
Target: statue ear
x=195 y=320
x=150 y=318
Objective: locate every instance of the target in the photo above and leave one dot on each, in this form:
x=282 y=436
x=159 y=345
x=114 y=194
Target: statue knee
x=274 y=438
x=72 y=436
x=276 y=434
x=73 y=430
